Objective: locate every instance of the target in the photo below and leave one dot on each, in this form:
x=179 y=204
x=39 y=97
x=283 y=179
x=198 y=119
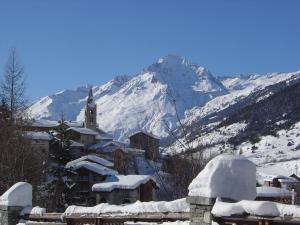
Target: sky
x=64 y=44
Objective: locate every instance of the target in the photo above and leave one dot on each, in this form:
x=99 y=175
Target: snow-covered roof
x=179 y=205
x=92 y=158
x=38 y=135
x=76 y=144
x=130 y=182
x=226 y=176
x=95 y=167
x=266 y=191
x=146 y=133
x=44 y=123
x=108 y=146
x=74 y=123
x=280 y=178
x=103 y=136
x=82 y=130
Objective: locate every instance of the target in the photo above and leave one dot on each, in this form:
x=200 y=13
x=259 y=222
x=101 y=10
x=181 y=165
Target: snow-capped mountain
x=150 y=100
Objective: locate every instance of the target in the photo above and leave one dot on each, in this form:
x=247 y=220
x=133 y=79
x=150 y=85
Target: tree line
x=18 y=162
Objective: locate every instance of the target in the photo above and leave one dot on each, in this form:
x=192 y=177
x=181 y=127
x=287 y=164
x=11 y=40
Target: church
x=97 y=159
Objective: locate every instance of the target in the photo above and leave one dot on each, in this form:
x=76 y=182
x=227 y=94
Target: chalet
x=42 y=125
x=85 y=172
x=40 y=141
x=275 y=194
x=83 y=135
x=120 y=189
x=285 y=182
x=122 y=156
x=146 y=141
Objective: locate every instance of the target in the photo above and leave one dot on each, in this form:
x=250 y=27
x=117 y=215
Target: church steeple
x=90 y=118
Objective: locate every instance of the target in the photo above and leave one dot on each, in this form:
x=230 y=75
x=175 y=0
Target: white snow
x=130 y=182
x=83 y=130
x=38 y=135
x=226 y=176
x=126 y=105
x=76 y=144
x=44 y=123
x=146 y=133
x=266 y=191
x=20 y=194
x=92 y=158
x=257 y=208
x=179 y=205
x=95 y=167
x=33 y=211
x=163 y=223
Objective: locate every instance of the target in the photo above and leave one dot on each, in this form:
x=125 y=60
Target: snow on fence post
x=13 y=201
x=229 y=177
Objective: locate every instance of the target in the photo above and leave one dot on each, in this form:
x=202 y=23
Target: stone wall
x=10 y=215
x=200 y=210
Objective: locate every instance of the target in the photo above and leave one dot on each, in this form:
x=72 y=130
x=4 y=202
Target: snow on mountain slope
x=70 y=102
x=145 y=101
x=239 y=89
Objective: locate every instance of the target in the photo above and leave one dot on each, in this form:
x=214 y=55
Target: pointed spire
x=90 y=98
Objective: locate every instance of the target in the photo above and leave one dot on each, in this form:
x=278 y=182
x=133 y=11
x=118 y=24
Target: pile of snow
x=33 y=211
x=20 y=194
x=179 y=205
x=266 y=191
x=257 y=208
x=226 y=176
x=129 y=182
x=92 y=158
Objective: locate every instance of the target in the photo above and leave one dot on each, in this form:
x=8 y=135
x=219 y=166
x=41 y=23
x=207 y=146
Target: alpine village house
x=101 y=169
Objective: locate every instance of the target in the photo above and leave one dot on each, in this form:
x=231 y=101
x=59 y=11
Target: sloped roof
x=76 y=144
x=95 y=167
x=146 y=133
x=44 y=123
x=266 y=191
x=74 y=123
x=92 y=158
x=38 y=135
x=82 y=130
x=128 y=182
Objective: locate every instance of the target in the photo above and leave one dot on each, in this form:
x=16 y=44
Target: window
x=103 y=200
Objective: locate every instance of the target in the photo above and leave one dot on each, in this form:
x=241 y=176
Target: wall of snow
x=257 y=208
x=227 y=176
x=179 y=205
x=20 y=194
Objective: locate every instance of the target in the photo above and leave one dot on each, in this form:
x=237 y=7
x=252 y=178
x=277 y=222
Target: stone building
x=40 y=143
x=85 y=136
x=147 y=142
x=90 y=116
x=84 y=173
x=121 y=189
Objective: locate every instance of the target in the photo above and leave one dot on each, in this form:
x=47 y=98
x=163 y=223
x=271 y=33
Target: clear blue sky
x=68 y=43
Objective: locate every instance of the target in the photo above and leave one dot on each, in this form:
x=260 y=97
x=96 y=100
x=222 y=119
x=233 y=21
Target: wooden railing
x=114 y=219
x=105 y=219
x=253 y=220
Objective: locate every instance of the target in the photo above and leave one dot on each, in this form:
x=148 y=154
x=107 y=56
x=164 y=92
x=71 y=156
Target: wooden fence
x=111 y=219
x=253 y=220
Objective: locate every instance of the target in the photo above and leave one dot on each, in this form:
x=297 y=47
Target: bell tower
x=90 y=117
